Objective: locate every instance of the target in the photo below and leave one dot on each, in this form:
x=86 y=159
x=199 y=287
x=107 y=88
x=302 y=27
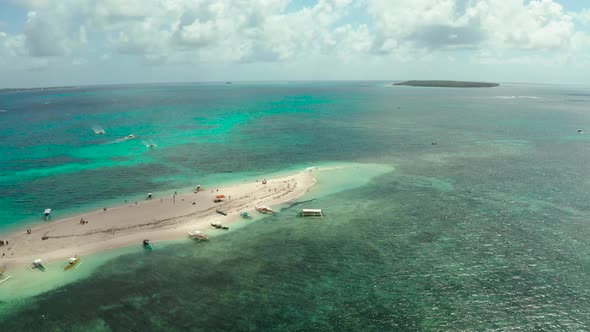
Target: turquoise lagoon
x=485 y=230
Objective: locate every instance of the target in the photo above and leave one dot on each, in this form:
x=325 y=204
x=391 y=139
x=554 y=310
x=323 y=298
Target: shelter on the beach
x=219 y=198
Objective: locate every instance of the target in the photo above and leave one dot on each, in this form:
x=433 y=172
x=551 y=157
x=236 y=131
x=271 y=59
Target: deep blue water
x=486 y=230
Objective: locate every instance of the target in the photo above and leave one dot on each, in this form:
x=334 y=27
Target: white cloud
x=223 y=32
x=538 y=24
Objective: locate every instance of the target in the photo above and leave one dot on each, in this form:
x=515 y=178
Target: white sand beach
x=161 y=218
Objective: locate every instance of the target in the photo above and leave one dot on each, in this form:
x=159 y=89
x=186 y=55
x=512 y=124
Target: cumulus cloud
x=536 y=25
x=240 y=31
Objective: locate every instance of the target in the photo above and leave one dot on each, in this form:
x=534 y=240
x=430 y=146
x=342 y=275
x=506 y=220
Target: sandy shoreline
x=161 y=218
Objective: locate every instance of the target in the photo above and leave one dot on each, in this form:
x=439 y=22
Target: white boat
x=264 y=209
x=198 y=235
x=38 y=264
x=130 y=136
x=4 y=277
x=98 y=130
x=311 y=213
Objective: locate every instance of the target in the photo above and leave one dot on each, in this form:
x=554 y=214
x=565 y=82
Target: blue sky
x=81 y=42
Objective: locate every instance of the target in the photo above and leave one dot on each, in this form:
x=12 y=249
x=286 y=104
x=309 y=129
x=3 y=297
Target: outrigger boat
x=146 y=244
x=264 y=209
x=72 y=261
x=4 y=277
x=318 y=213
x=221 y=212
x=38 y=264
x=198 y=235
x=219 y=225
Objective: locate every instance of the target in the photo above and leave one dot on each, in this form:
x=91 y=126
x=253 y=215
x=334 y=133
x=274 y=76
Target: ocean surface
x=472 y=213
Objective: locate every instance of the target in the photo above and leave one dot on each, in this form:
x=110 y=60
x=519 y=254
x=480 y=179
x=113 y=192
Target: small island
x=448 y=84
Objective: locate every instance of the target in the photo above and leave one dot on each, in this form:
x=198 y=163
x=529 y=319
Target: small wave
x=3 y=111
x=98 y=130
x=516 y=97
x=149 y=144
x=122 y=139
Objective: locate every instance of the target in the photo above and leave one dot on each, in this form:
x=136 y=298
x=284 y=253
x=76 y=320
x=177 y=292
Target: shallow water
x=485 y=230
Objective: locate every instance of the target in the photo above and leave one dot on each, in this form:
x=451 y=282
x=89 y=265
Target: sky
x=88 y=42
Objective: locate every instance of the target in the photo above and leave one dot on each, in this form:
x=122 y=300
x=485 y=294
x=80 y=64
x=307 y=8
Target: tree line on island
x=448 y=84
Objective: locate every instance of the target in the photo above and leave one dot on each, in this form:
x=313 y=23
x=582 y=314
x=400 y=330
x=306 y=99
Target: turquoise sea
x=471 y=211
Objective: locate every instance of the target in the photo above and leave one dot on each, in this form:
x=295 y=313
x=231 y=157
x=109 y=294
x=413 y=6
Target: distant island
x=448 y=84
x=38 y=89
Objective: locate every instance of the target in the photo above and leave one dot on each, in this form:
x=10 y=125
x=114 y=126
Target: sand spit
x=160 y=218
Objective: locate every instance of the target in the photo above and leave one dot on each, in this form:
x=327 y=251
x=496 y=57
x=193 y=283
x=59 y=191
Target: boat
x=146 y=244
x=246 y=215
x=72 y=261
x=47 y=213
x=38 y=264
x=198 y=235
x=4 y=277
x=264 y=209
x=318 y=213
x=221 y=212
x=98 y=130
x=219 y=225
x=131 y=136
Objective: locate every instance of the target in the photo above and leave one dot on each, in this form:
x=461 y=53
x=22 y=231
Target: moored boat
x=246 y=215
x=146 y=244
x=72 y=261
x=318 y=213
x=4 y=277
x=38 y=264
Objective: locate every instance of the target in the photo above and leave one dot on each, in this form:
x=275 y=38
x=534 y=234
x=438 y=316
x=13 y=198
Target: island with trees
x=448 y=84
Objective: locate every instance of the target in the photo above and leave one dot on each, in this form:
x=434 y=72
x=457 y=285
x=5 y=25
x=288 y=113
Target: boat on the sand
x=219 y=225
x=198 y=236
x=221 y=212
x=246 y=215
x=264 y=209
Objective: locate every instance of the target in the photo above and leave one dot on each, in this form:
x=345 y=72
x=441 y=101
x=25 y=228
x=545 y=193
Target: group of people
x=3 y=243
x=83 y=222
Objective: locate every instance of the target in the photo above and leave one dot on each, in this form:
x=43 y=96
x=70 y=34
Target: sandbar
x=157 y=219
